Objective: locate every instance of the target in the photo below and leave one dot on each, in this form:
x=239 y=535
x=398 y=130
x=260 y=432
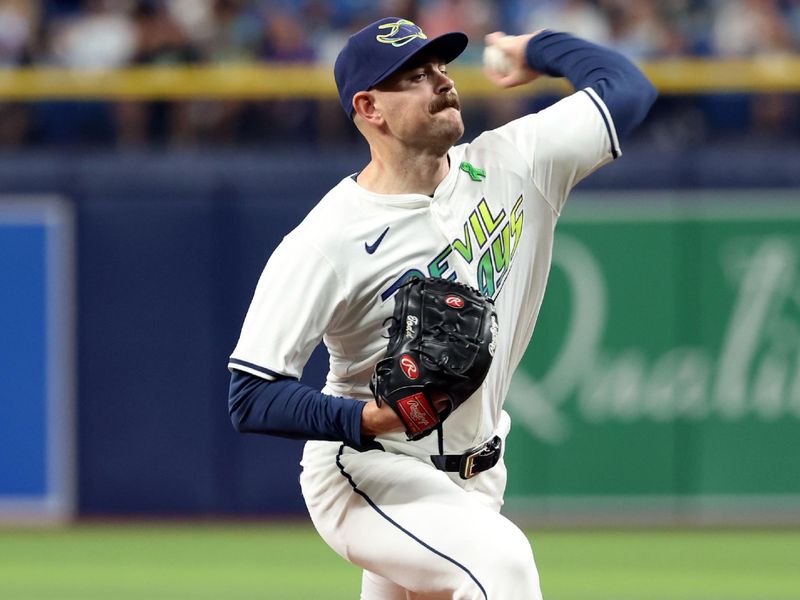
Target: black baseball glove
x=442 y=338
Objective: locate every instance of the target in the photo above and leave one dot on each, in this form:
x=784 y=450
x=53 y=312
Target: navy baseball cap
x=381 y=48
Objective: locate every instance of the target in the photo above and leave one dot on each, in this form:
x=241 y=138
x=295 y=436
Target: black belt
x=473 y=461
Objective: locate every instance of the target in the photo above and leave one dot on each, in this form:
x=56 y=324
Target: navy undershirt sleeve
x=287 y=408
x=625 y=90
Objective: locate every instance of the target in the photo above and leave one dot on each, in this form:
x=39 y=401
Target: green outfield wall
x=664 y=372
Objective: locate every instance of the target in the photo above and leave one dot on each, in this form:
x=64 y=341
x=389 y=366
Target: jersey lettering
x=516 y=223
x=486 y=284
x=489 y=222
x=464 y=248
x=498 y=236
x=501 y=249
x=477 y=228
x=439 y=265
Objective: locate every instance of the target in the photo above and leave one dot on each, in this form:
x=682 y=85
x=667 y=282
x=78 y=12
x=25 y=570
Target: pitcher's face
x=421 y=106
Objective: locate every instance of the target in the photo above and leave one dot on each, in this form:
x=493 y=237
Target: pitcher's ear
x=364 y=106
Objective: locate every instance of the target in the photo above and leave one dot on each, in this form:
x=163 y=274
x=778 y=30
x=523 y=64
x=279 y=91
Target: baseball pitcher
x=423 y=274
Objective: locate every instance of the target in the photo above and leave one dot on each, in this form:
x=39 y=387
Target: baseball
x=496 y=60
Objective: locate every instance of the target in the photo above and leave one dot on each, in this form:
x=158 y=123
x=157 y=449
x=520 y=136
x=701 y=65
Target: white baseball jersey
x=489 y=224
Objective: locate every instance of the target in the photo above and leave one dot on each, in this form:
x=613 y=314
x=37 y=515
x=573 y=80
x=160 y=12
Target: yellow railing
x=265 y=81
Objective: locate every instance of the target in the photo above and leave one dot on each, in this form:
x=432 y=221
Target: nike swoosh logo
x=370 y=248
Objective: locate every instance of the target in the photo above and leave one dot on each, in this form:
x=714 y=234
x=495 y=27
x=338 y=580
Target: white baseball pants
x=417 y=532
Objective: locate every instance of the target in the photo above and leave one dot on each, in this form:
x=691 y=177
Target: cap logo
x=400 y=33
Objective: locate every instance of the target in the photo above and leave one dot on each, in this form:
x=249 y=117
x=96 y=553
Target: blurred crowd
x=116 y=33
x=113 y=33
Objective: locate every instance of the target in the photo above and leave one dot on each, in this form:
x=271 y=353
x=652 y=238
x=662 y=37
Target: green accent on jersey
x=475 y=173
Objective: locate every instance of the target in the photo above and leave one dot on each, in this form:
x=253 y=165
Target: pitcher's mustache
x=448 y=100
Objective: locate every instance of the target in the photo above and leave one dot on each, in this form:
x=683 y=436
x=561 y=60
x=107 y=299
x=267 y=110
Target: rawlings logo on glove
x=442 y=338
